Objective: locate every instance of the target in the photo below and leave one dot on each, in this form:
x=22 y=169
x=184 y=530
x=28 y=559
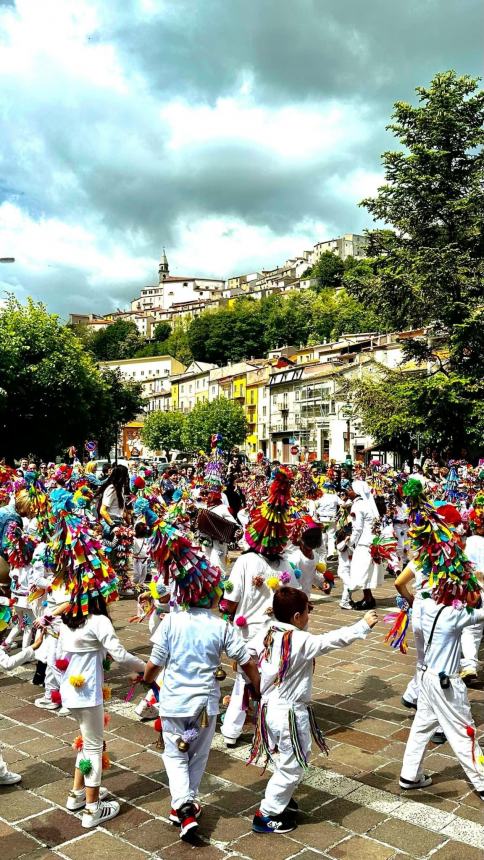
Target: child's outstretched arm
x=317 y=645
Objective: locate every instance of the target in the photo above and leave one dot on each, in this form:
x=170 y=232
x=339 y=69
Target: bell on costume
x=220 y=674
x=182 y=745
x=203 y=721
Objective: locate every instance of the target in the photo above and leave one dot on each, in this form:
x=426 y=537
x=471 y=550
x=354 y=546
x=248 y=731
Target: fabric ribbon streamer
x=397 y=635
x=260 y=743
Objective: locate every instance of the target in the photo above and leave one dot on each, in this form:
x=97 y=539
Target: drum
x=216 y=527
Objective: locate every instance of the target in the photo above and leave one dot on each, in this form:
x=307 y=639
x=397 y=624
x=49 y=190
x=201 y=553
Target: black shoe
x=272 y=823
x=407 y=704
x=187 y=817
x=365 y=605
x=438 y=737
x=292 y=806
x=39 y=677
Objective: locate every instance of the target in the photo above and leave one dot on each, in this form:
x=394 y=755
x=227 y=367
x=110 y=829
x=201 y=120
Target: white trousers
x=3 y=765
x=401 y=534
x=23 y=626
x=91 y=725
x=140 y=570
x=288 y=772
x=451 y=710
x=185 y=769
x=235 y=715
x=470 y=642
x=413 y=686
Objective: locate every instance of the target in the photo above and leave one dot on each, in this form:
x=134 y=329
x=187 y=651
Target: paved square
x=352 y=805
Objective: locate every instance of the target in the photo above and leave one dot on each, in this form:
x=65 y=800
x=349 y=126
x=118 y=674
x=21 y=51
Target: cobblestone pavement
x=351 y=802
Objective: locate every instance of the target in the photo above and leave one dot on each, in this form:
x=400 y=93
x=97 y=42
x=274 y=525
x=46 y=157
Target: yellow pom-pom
x=77 y=681
x=105 y=761
x=321 y=567
x=106 y=694
x=273 y=582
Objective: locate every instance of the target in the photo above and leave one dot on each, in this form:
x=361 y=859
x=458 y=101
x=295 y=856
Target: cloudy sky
x=234 y=132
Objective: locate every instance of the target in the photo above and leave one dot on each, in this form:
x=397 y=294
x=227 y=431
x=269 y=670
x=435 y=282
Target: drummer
x=216 y=540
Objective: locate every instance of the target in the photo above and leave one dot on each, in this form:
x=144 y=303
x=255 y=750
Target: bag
x=216 y=527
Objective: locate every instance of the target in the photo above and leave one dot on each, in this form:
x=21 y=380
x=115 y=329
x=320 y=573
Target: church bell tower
x=163 y=268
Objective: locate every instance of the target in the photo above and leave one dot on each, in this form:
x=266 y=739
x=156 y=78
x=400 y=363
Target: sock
x=92 y=806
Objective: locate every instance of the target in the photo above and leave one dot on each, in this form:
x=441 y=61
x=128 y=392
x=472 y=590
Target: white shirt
x=296 y=687
x=86 y=648
x=294 y=555
x=253 y=600
x=326 y=507
x=445 y=650
x=15 y=660
x=110 y=502
x=362 y=534
x=140 y=548
x=189 y=644
x=474 y=550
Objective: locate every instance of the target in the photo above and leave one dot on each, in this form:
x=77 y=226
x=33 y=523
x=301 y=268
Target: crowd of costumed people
x=71 y=543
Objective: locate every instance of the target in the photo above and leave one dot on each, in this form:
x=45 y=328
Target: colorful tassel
x=316 y=732
x=260 y=743
x=397 y=635
x=295 y=740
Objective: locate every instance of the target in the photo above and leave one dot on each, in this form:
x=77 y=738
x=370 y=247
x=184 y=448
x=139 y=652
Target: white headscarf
x=362 y=489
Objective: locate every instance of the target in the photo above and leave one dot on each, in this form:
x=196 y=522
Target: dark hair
x=313 y=537
x=287 y=601
x=74 y=618
x=140 y=529
x=119 y=479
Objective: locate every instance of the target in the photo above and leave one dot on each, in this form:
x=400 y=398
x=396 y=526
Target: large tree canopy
x=53 y=395
x=220 y=416
x=162 y=430
x=427 y=265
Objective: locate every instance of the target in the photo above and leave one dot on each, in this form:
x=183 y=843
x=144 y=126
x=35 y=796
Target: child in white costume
x=8 y=777
x=249 y=600
x=190 y=644
x=85 y=641
x=301 y=557
x=285 y=717
x=443 y=697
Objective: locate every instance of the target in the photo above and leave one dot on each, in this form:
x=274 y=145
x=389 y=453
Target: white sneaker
x=64 y=712
x=105 y=810
x=422 y=782
x=10 y=778
x=345 y=604
x=145 y=711
x=47 y=704
x=77 y=800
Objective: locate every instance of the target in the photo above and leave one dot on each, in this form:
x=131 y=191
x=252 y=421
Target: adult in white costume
x=364 y=573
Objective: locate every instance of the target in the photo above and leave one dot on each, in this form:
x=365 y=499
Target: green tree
x=162 y=331
x=120 y=402
x=228 y=334
x=53 y=393
x=118 y=340
x=162 y=430
x=220 y=416
x=328 y=271
x=427 y=265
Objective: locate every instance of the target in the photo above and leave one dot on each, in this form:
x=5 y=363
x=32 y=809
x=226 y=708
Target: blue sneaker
x=272 y=823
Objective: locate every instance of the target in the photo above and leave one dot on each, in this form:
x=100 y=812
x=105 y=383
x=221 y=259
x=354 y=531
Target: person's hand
x=371 y=618
x=38 y=640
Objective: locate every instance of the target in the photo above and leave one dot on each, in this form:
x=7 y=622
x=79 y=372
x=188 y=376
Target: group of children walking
x=262 y=625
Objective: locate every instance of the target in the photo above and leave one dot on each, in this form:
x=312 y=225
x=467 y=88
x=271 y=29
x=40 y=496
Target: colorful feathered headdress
x=439 y=554
x=80 y=562
x=267 y=532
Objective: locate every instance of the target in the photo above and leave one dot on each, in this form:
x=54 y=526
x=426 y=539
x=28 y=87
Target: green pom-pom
x=228 y=586
x=413 y=488
x=85 y=766
x=426 y=594
x=107 y=664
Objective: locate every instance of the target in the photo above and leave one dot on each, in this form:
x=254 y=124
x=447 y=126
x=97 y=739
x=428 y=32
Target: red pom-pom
x=105 y=761
x=56 y=697
x=470 y=732
x=77 y=744
x=107 y=720
x=241 y=621
x=158 y=725
x=139 y=483
x=62 y=664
